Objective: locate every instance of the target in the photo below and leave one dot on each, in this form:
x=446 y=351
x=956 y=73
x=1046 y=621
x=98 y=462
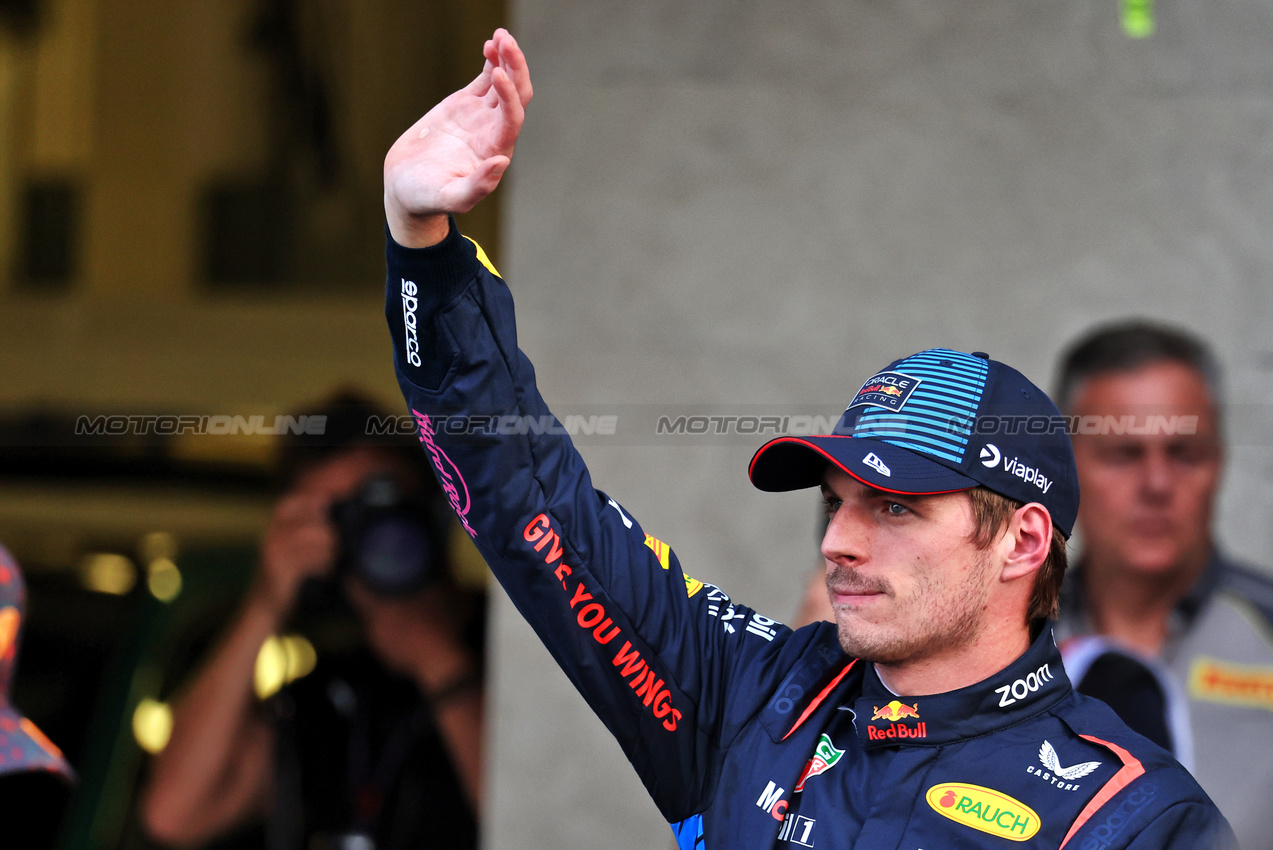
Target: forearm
x=458 y=705
x=216 y=767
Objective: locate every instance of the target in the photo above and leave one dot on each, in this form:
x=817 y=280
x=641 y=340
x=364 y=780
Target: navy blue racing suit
x=745 y=733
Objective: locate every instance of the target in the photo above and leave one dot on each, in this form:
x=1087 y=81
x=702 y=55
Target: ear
x=1027 y=541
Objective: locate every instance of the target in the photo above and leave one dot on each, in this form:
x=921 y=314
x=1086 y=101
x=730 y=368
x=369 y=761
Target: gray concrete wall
x=747 y=206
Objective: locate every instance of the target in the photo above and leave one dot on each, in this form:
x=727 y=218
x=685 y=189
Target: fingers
x=513 y=61
x=510 y=106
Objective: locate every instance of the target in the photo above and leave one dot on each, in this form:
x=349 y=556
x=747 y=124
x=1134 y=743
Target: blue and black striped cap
x=940 y=421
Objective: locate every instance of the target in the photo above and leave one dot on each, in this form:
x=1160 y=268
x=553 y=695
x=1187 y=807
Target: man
x=934 y=714
x=379 y=746
x=1155 y=620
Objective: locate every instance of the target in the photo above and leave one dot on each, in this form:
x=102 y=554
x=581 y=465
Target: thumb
x=484 y=179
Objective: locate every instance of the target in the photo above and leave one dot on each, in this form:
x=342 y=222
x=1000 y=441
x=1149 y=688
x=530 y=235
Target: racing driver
x=934 y=713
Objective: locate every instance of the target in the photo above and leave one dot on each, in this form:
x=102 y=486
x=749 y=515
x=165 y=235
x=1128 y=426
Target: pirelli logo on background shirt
x=1247 y=685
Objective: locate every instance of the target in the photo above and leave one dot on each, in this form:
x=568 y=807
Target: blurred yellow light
x=152 y=725
x=281 y=660
x=106 y=572
x=163 y=579
x=156 y=545
x=271 y=667
x=301 y=657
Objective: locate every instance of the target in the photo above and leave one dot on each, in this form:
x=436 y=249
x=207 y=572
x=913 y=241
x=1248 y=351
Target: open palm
x=456 y=154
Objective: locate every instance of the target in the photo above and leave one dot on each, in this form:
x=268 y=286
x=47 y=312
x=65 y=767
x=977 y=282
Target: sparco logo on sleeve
x=409 y=305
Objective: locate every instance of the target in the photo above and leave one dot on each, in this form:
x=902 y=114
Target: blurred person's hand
x=418 y=636
x=299 y=544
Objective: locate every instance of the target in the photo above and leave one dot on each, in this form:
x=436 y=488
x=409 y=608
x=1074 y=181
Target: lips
x=1152 y=527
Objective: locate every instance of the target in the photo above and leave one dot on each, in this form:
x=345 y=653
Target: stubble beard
x=935 y=619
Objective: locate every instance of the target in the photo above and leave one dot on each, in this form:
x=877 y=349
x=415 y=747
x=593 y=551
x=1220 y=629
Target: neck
x=1134 y=607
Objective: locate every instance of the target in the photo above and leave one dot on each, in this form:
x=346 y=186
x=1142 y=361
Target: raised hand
x=456 y=154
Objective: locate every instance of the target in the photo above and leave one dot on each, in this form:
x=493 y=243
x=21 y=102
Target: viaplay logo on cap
x=889 y=390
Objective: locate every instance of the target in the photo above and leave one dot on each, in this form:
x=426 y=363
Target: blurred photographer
x=380 y=746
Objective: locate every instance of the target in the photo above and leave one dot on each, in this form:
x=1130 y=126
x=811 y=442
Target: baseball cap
x=940 y=421
x=23 y=747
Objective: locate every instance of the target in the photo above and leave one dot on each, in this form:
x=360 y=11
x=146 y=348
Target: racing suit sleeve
x=672 y=666
x=1183 y=826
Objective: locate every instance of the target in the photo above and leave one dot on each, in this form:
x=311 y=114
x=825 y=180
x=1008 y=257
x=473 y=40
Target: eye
x=896 y=509
x=831 y=504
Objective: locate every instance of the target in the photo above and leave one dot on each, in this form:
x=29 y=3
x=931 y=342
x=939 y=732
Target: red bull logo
x=894 y=730
x=891 y=391
x=897 y=731
x=895 y=711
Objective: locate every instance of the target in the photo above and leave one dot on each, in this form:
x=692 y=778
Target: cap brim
x=24 y=748
x=794 y=463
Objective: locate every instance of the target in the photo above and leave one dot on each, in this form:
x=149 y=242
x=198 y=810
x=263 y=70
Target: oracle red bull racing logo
x=892 y=728
x=889 y=390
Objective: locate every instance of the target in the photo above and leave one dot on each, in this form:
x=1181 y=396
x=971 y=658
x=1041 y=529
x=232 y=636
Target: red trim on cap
x=752 y=466
x=1131 y=770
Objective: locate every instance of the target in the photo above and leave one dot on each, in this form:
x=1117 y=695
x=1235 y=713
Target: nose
x=844 y=542
x=1157 y=479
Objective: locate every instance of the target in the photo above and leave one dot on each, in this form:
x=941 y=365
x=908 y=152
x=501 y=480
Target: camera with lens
x=391 y=539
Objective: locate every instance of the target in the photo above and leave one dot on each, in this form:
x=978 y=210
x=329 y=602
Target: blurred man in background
x=34 y=777
x=380 y=746
x=1155 y=620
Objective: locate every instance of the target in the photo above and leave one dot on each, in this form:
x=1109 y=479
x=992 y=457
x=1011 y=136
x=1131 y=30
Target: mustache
x=847 y=580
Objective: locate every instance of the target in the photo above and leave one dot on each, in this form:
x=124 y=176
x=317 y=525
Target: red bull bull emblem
x=896 y=711
x=891 y=391
x=825 y=755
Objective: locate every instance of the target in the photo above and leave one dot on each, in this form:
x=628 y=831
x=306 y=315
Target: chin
x=1155 y=563
x=878 y=649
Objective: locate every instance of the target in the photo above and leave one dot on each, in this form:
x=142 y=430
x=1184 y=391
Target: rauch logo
x=984 y=809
